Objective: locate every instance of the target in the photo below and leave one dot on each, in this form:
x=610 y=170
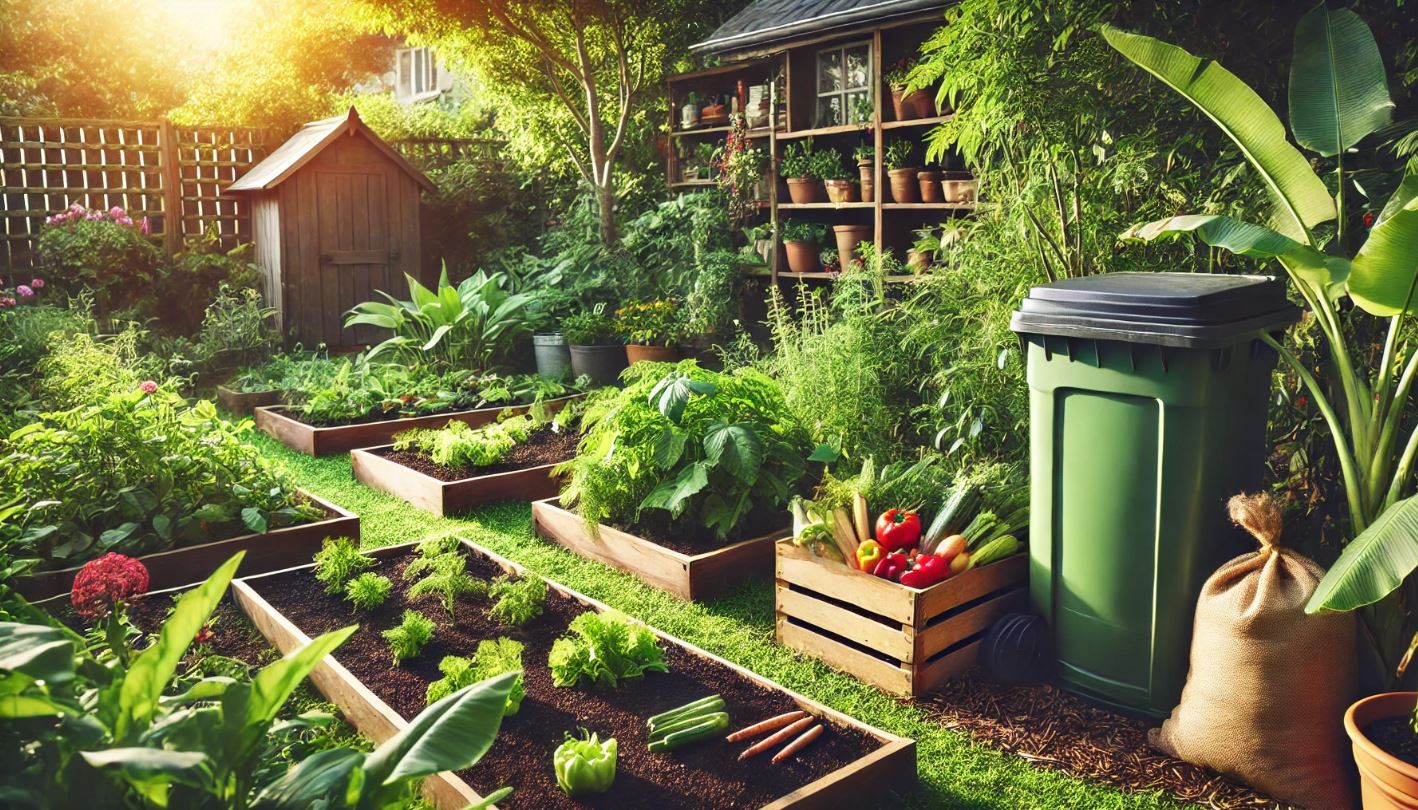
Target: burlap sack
x=1268 y=686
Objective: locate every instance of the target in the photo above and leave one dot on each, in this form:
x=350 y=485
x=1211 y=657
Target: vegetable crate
x=904 y=640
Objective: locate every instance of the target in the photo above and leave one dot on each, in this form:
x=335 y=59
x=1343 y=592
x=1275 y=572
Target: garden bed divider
x=859 y=782
x=242 y=403
x=440 y=497
x=321 y=441
x=907 y=641
x=688 y=576
x=177 y=567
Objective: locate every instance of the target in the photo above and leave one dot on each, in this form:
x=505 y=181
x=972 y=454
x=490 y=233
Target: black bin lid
x=1187 y=310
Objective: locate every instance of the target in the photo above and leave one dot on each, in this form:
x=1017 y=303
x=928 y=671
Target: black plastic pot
x=602 y=364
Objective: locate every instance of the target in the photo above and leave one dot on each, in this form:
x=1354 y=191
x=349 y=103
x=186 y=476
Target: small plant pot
x=904 y=188
x=553 y=357
x=841 y=191
x=918 y=261
x=930 y=187
x=848 y=237
x=867 y=172
x=1385 y=780
x=804 y=190
x=959 y=188
x=639 y=353
x=923 y=104
x=912 y=105
x=603 y=364
x=802 y=256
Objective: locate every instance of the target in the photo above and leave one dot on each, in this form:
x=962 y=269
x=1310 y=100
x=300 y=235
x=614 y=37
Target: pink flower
x=38 y=283
x=24 y=292
x=148 y=387
x=117 y=213
x=143 y=226
x=6 y=302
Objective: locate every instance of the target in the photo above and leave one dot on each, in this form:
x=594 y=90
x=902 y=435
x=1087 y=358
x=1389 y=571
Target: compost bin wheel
x=1015 y=649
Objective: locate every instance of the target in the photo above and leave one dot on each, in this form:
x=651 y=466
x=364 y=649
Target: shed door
x=355 y=248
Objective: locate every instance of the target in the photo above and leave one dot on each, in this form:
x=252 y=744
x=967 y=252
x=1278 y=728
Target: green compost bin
x=1148 y=395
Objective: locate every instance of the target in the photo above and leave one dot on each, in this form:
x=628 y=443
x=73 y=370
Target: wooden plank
x=430 y=494
x=889 y=639
x=344 y=237
x=328 y=212
x=798 y=566
x=970 y=586
x=931 y=676
x=937 y=637
x=891 y=677
x=242 y=403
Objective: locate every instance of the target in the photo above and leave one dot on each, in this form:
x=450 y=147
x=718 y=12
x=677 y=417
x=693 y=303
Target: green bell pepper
x=586 y=765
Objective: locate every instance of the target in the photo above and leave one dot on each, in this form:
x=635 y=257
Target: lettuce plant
x=406 y=639
x=605 y=649
x=493 y=657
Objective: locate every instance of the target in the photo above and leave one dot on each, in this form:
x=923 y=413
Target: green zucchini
x=710 y=727
x=952 y=515
x=661 y=732
x=688 y=708
x=994 y=551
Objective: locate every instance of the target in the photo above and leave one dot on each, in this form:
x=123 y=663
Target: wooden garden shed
x=334 y=219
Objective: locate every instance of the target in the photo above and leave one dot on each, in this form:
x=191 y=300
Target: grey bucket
x=553 y=357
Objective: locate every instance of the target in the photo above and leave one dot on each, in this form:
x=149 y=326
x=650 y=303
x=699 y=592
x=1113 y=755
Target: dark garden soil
x=702 y=776
x=1395 y=735
x=687 y=538
x=544 y=446
x=232 y=634
x=1051 y=729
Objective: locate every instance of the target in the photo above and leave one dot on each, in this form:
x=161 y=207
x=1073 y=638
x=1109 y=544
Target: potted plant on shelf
x=899 y=168
x=1363 y=403
x=929 y=244
x=862 y=110
x=906 y=103
x=800 y=167
x=800 y=240
x=848 y=237
x=865 y=156
x=957 y=187
x=841 y=188
x=651 y=329
x=689 y=113
x=930 y=182
x=760 y=238
x=596 y=350
x=830 y=260
x=549 y=347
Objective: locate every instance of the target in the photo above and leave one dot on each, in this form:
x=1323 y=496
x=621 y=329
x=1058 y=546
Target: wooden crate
x=430 y=494
x=904 y=640
x=857 y=784
x=322 y=441
x=178 y=567
x=242 y=403
x=688 y=576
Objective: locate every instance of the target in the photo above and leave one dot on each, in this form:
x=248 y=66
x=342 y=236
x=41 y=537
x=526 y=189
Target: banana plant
x=1338 y=95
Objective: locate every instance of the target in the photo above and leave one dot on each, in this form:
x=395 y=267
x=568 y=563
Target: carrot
x=798 y=744
x=766 y=726
x=779 y=737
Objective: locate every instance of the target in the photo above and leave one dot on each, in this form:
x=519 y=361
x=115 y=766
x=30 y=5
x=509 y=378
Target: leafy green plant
x=802 y=230
x=651 y=323
x=864 y=151
x=493 y=657
x=296 y=374
x=605 y=649
x=697 y=448
x=360 y=390
x=897 y=154
x=800 y=161
x=829 y=258
x=585 y=765
x=205 y=272
x=447 y=576
x=592 y=328
x=459 y=446
x=827 y=165
x=368 y=590
x=105 y=252
x=406 y=640
x=338 y=561
x=517 y=601
x=235 y=329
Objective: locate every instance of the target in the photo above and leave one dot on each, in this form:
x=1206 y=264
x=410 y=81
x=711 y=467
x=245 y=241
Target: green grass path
x=953 y=771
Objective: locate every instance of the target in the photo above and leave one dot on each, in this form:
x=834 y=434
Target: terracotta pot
x=841 y=191
x=848 y=237
x=903 y=185
x=918 y=261
x=959 y=187
x=923 y=104
x=910 y=106
x=802 y=256
x=803 y=190
x=930 y=186
x=866 y=169
x=1385 y=780
x=636 y=353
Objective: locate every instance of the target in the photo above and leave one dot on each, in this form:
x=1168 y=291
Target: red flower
x=106 y=581
x=1368 y=219
x=204 y=635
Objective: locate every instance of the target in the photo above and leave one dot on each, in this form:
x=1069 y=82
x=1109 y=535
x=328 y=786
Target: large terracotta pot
x=904 y=187
x=930 y=186
x=866 y=169
x=1385 y=780
x=841 y=191
x=912 y=105
x=802 y=256
x=804 y=190
x=637 y=353
x=848 y=237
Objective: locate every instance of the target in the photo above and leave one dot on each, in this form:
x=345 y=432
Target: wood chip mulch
x=1051 y=729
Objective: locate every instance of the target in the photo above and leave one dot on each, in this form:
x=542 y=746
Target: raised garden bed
x=242 y=403
x=441 y=490
x=302 y=437
x=851 y=765
x=686 y=575
x=176 y=567
x=907 y=641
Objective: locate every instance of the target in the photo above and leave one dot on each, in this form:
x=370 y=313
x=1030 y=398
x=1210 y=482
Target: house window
x=844 y=91
x=417 y=72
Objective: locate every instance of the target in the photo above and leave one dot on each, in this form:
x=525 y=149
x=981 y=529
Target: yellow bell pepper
x=868 y=554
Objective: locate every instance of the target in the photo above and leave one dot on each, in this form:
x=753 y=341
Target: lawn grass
x=953 y=771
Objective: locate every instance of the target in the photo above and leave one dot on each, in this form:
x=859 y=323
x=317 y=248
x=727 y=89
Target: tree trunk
x=605 y=199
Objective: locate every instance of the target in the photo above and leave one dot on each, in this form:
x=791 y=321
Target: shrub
x=605 y=649
x=407 y=639
x=200 y=274
x=493 y=657
x=651 y=323
x=338 y=561
x=518 y=600
x=368 y=590
x=102 y=251
x=84 y=370
x=235 y=329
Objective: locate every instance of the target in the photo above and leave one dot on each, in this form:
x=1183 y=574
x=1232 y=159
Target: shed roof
x=769 y=20
x=308 y=142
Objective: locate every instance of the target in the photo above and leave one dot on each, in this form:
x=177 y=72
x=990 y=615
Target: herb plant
x=338 y=561
x=518 y=601
x=407 y=639
x=605 y=649
x=802 y=230
x=827 y=165
x=591 y=328
x=651 y=323
x=448 y=578
x=800 y=162
x=368 y=590
x=493 y=657
x=898 y=154
x=863 y=151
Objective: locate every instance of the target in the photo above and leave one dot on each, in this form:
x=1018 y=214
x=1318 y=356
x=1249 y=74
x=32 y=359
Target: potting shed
x=335 y=219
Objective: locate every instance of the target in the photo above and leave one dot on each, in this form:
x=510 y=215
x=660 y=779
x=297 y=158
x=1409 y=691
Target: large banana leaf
x=1338 y=87
x=1382 y=278
x=1250 y=240
x=39 y=652
x=321 y=776
x=1373 y=564
x=451 y=734
x=1245 y=118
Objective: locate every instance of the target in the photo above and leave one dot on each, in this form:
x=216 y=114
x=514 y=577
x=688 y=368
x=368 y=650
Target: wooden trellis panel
x=208 y=160
x=435 y=153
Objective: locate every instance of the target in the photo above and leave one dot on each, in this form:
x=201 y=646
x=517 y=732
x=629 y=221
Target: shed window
x=844 y=86
x=418 y=71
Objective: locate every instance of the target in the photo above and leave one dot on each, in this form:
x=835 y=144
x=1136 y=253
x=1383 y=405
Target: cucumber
x=710 y=727
x=952 y=515
x=994 y=551
x=689 y=708
x=661 y=732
